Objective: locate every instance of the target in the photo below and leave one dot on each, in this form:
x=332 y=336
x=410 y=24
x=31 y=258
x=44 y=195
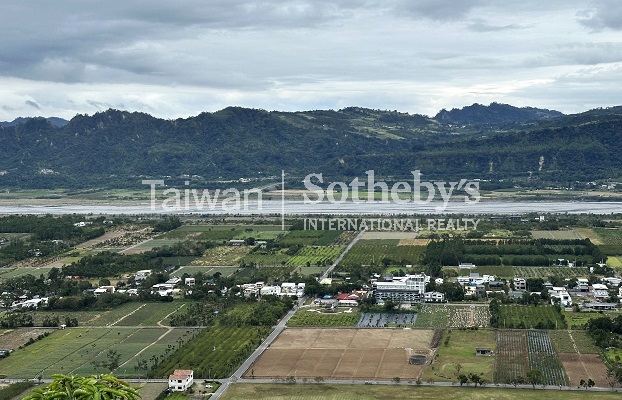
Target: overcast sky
x=177 y=59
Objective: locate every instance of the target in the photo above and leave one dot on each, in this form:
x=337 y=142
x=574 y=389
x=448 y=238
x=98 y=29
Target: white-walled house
x=181 y=380
x=561 y=294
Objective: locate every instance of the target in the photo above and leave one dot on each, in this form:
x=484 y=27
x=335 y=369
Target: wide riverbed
x=290 y=207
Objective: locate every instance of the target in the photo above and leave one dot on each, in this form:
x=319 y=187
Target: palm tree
x=65 y=387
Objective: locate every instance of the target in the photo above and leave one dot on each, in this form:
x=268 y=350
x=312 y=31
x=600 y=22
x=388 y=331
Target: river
x=292 y=207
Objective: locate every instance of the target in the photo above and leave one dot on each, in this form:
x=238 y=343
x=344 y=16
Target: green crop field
x=261 y=257
x=460 y=349
x=374 y=252
x=546 y=272
x=315 y=255
x=518 y=316
x=310 y=271
x=311 y=238
x=149 y=314
x=73 y=350
x=609 y=235
x=613 y=262
x=217 y=351
x=315 y=317
x=432 y=316
x=565 y=342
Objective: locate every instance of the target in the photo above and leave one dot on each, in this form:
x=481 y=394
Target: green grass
x=223 y=256
x=310 y=271
x=7 y=273
x=375 y=252
x=512 y=316
x=460 y=349
x=261 y=257
x=150 y=314
x=15 y=389
x=316 y=255
x=614 y=262
x=306 y=317
x=269 y=391
x=578 y=320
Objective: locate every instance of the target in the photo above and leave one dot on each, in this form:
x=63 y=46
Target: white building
x=520 y=284
x=434 y=297
x=407 y=289
x=599 y=291
x=142 y=275
x=104 y=289
x=181 y=380
x=270 y=290
x=560 y=294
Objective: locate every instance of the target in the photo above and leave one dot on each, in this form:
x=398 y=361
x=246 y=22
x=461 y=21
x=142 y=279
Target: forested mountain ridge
x=119 y=148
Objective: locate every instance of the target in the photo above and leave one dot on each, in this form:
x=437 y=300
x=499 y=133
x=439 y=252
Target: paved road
x=342 y=255
x=237 y=375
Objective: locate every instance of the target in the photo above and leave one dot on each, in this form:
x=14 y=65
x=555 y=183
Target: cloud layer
x=179 y=59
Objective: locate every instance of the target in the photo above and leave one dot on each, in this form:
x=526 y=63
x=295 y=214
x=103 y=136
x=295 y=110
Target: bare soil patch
x=344 y=354
x=12 y=339
x=584 y=366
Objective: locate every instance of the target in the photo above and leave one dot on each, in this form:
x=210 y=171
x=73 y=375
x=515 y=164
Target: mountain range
x=496 y=143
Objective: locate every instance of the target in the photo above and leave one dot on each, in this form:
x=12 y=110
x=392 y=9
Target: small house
x=181 y=380
x=483 y=351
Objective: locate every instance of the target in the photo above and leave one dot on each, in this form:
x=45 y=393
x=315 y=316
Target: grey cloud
x=479 y=25
x=604 y=14
x=32 y=104
x=579 y=54
x=441 y=10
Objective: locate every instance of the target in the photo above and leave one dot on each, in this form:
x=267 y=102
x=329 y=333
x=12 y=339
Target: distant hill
x=59 y=122
x=495 y=113
x=118 y=148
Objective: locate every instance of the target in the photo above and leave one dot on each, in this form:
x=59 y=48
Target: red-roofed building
x=181 y=380
x=348 y=300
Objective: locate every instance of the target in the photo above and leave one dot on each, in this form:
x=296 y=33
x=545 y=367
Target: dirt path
x=169 y=330
x=125 y=316
x=168 y=315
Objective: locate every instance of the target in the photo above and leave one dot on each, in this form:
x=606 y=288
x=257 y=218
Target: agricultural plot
x=393 y=235
x=7 y=273
x=526 y=317
x=542 y=357
x=216 y=351
x=458 y=348
x=315 y=255
x=614 y=262
x=587 y=233
x=206 y=270
x=546 y=272
x=498 y=271
x=149 y=245
x=381 y=320
x=12 y=339
x=468 y=316
x=260 y=257
x=611 y=239
x=377 y=252
x=311 y=238
x=432 y=316
x=558 y=235
x=511 y=358
x=573 y=342
x=150 y=314
x=344 y=354
x=222 y=256
x=584 y=366
x=316 y=317
x=310 y=271
x=72 y=350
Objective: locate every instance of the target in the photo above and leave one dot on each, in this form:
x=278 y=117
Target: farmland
x=315 y=255
x=432 y=316
x=511 y=357
x=216 y=351
x=560 y=235
x=525 y=317
x=222 y=256
x=344 y=354
x=73 y=350
x=270 y=391
x=206 y=270
x=458 y=347
x=262 y=257
x=316 y=317
x=388 y=251
x=311 y=238
x=379 y=320
x=546 y=272
x=542 y=357
x=573 y=342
